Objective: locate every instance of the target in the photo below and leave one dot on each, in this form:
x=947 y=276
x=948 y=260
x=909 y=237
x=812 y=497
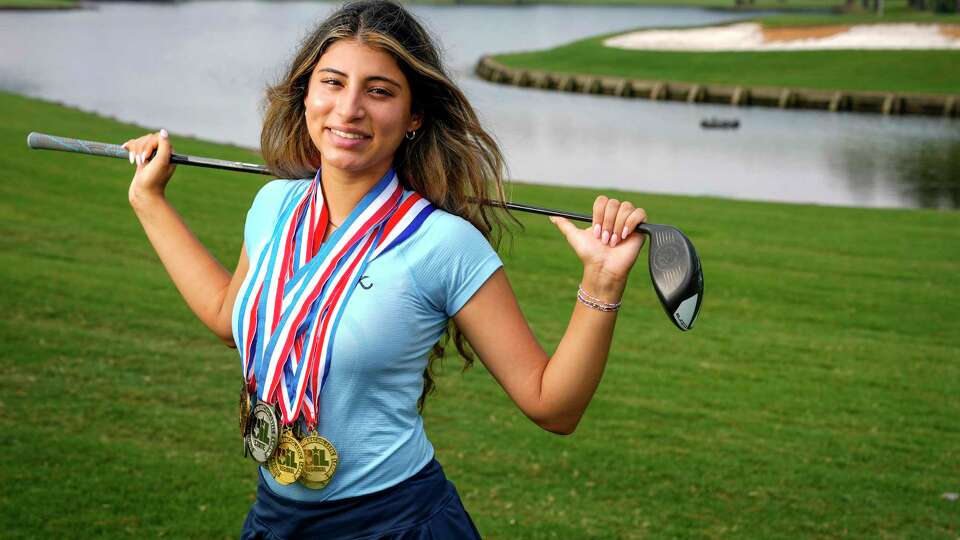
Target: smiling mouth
x=348 y=135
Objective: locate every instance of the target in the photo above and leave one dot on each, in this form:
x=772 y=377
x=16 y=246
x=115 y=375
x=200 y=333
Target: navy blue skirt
x=423 y=507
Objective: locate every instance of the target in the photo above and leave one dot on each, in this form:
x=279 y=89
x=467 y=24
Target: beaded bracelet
x=595 y=303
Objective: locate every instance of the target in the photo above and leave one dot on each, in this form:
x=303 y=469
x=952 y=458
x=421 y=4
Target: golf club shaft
x=42 y=141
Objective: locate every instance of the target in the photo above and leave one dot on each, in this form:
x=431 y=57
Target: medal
x=244 y=409
x=286 y=465
x=320 y=461
x=263 y=433
x=244 y=416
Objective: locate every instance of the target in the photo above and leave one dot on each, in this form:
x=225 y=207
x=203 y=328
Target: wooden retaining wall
x=784 y=98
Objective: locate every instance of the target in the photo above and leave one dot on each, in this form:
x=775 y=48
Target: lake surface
x=200 y=68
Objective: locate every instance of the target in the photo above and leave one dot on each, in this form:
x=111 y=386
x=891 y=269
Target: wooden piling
x=595 y=86
x=786 y=99
x=891 y=105
x=658 y=91
x=740 y=96
x=836 y=102
x=566 y=84
x=519 y=78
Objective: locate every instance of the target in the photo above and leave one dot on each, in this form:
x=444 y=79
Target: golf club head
x=676 y=273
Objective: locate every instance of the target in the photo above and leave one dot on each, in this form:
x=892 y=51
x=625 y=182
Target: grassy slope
x=932 y=71
x=37 y=4
x=896 y=14
x=817 y=397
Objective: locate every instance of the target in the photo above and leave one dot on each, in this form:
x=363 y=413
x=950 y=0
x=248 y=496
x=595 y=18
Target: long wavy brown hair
x=452 y=160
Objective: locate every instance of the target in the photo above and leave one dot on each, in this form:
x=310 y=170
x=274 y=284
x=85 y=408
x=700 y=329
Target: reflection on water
x=930 y=172
x=923 y=171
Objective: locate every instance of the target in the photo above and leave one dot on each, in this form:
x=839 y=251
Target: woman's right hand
x=153 y=173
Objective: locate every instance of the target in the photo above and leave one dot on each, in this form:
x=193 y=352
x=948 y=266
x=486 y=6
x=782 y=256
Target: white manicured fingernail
x=596 y=230
x=131 y=157
x=143 y=157
x=163 y=134
x=605 y=238
x=625 y=232
x=614 y=239
x=137 y=159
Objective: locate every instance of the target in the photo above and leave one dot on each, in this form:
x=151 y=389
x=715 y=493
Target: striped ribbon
x=291 y=301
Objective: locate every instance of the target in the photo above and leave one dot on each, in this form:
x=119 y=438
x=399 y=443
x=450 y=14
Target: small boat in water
x=720 y=123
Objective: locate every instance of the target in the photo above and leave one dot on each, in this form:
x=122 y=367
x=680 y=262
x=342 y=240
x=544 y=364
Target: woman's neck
x=342 y=191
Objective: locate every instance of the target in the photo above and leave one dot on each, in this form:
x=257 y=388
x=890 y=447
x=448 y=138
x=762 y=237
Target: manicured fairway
x=816 y=398
x=37 y=4
x=896 y=12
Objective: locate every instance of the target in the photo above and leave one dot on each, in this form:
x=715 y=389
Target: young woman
x=351 y=273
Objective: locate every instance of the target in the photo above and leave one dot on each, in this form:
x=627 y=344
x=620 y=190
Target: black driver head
x=676 y=273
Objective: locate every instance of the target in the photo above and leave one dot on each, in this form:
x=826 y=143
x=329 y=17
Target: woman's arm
x=207 y=287
x=554 y=391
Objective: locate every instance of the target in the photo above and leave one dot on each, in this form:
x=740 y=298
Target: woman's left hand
x=611 y=244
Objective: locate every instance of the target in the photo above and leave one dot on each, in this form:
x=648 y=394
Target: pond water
x=200 y=68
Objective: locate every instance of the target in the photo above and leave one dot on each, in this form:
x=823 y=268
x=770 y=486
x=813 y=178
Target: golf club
x=674 y=265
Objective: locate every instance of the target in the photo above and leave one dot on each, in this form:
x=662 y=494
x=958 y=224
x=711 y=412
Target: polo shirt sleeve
x=454 y=263
x=262 y=215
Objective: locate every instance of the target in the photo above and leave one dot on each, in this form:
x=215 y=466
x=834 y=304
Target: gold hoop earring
x=411 y=134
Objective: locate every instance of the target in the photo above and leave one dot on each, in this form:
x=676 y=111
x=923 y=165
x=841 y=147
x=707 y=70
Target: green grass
x=895 y=12
x=816 y=398
x=925 y=71
x=37 y=4
x=789 y=5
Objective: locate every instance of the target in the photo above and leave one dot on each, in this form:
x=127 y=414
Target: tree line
x=877 y=6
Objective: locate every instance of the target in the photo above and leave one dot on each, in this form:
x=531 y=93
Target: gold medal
x=244 y=409
x=264 y=433
x=286 y=465
x=320 y=461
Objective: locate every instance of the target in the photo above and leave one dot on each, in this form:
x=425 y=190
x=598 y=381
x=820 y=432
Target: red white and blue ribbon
x=291 y=300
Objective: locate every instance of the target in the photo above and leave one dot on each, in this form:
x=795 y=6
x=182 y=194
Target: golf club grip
x=42 y=141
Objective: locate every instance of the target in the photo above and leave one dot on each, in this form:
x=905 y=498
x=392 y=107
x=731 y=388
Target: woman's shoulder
x=444 y=236
x=449 y=259
x=263 y=212
x=275 y=191
x=282 y=184
x=443 y=227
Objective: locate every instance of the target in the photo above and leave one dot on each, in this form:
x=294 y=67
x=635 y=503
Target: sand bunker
x=753 y=37
x=793 y=33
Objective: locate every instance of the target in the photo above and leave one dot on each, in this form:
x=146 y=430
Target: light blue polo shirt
x=368 y=406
